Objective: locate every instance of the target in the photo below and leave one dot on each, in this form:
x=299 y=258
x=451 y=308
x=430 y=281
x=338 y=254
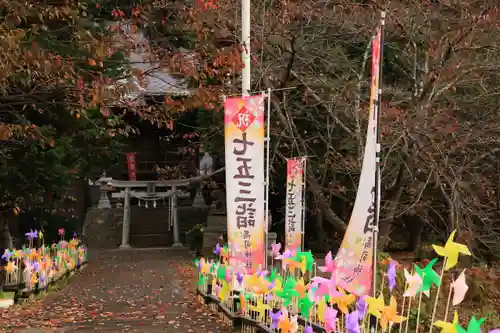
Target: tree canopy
x=439 y=97
x=58 y=62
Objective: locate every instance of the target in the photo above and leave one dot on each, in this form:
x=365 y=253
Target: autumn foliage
x=439 y=107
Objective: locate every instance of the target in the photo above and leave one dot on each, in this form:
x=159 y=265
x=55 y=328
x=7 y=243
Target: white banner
x=245 y=182
x=294 y=211
x=355 y=258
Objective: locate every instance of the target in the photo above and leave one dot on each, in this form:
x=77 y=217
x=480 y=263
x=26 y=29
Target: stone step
x=145 y=221
x=151 y=240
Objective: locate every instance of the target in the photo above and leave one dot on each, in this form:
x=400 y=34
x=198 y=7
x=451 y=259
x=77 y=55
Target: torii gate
x=130 y=189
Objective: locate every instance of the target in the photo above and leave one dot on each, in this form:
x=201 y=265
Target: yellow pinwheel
x=375 y=305
x=450 y=251
x=278 y=286
x=256 y=284
x=343 y=301
x=321 y=306
x=260 y=308
x=204 y=267
x=389 y=314
x=224 y=291
x=448 y=327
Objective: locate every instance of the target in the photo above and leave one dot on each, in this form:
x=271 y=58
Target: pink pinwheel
x=275 y=249
x=324 y=287
x=285 y=257
x=330 y=265
x=60 y=232
x=330 y=319
x=217 y=290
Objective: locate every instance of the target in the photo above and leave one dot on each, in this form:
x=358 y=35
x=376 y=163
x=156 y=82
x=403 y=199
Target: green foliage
x=68 y=60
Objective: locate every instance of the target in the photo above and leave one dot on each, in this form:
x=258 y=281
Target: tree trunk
x=5 y=237
x=393 y=197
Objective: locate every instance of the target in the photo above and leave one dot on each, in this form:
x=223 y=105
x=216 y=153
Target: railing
x=32 y=269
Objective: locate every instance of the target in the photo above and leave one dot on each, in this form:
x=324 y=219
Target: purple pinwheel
x=262 y=273
x=7 y=255
x=391 y=274
x=495 y=331
x=32 y=235
x=217 y=249
x=286 y=255
x=75 y=235
x=308 y=329
x=239 y=278
x=35 y=267
x=352 y=322
x=275 y=317
x=361 y=306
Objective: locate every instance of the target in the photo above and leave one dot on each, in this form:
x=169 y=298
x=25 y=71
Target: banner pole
x=304 y=180
x=267 y=166
x=377 y=155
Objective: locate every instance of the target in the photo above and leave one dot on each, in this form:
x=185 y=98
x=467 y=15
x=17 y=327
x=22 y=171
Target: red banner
x=131 y=166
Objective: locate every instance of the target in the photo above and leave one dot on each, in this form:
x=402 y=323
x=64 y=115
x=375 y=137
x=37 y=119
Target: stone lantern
x=104 y=186
x=205 y=168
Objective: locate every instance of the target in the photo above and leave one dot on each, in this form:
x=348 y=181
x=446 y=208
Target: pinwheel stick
x=409 y=306
x=437 y=294
x=408 y=316
x=419 y=305
x=448 y=301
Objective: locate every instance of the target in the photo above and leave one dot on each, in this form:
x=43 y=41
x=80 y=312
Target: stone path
x=144 y=291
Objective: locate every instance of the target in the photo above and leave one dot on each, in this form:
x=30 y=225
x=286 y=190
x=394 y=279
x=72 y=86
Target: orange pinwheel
x=10 y=267
x=287 y=325
x=343 y=301
x=389 y=314
x=243 y=302
x=301 y=288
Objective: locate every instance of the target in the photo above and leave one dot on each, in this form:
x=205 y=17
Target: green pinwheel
x=474 y=326
x=428 y=276
x=273 y=275
x=288 y=291
x=305 y=306
x=305 y=259
x=221 y=273
x=202 y=279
